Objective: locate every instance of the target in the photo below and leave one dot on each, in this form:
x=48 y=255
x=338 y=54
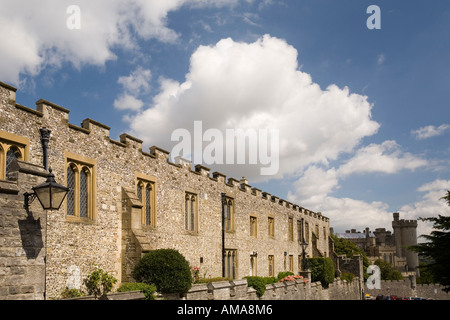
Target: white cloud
x=430 y=204
x=314 y=188
x=258 y=85
x=128 y=102
x=315 y=184
x=137 y=83
x=385 y=158
x=35 y=34
x=430 y=131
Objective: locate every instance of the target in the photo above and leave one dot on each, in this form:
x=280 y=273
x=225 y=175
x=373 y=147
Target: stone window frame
x=191 y=212
x=307 y=233
x=271 y=265
x=230 y=225
x=147 y=182
x=254 y=264
x=290 y=229
x=291 y=263
x=11 y=141
x=271 y=226
x=231 y=263
x=299 y=231
x=253 y=226
x=81 y=164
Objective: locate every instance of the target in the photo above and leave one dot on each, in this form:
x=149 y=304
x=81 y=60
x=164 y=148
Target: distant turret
x=405 y=234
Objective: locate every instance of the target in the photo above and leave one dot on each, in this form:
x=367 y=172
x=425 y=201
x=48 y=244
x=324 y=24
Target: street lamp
x=50 y=194
x=304 y=245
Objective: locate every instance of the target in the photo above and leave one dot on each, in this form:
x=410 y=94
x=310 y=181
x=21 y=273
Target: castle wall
x=112 y=238
x=409 y=288
x=22 y=237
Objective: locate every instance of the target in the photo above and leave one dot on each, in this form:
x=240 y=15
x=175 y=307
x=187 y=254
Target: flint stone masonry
x=115 y=237
x=22 y=236
x=289 y=290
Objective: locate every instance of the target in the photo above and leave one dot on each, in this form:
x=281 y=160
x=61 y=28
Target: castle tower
x=405 y=235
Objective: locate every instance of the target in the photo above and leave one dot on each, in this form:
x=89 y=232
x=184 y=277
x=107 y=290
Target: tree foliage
x=388 y=272
x=322 y=269
x=436 y=248
x=349 y=249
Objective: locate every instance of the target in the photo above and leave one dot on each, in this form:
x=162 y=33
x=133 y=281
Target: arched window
x=80 y=203
x=71 y=193
x=12 y=155
x=145 y=191
x=139 y=190
x=84 y=192
x=190 y=213
x=148 y=205
x=12 y=147
x=229 y=214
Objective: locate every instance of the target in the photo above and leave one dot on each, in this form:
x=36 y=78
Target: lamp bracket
x=28 y=199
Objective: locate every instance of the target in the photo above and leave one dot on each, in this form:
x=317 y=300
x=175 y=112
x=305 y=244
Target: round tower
x=405 y=234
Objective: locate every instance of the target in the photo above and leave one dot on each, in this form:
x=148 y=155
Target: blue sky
x=374 y=143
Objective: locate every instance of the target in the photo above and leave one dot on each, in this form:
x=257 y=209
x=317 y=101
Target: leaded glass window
x=11 y=155
x=147 y=205
x=145 y=191
x=80 y=203
x=228 y=214
x=84 y=193
x=71 y=193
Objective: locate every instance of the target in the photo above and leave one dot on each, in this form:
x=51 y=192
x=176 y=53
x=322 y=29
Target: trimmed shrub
x=166 y=268
x=258 y=283
x=147 y=289
x=322 y=269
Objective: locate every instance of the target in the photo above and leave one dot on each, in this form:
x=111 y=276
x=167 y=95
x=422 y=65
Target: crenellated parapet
x=137 y=199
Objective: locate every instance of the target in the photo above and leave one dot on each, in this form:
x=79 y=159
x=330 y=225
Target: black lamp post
x=304 y=245
x=50 y=194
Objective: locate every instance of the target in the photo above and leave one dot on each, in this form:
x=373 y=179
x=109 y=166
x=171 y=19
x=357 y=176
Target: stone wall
x=289 y=290
x=409 y=288
x=22 y=236
x=112 y=237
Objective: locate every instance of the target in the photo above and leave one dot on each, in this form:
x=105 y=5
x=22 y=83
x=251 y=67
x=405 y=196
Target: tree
x=348 y=248
x=322 y=269
x=388 y=272
x=436 y=249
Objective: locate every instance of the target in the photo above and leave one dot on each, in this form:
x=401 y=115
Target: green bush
x=166 y=268
x=147 y=289
x=209 y=280
x=347 y=276
x=71 y=293
x=322 y=269
x=98 y=283
x=258 y=283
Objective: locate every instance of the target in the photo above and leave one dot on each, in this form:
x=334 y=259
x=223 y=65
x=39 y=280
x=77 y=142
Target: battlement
x=48 y=112
x=404 y=223
x=397 y=223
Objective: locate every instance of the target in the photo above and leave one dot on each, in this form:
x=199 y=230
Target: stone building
x=391 y=247
x=124 y=201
